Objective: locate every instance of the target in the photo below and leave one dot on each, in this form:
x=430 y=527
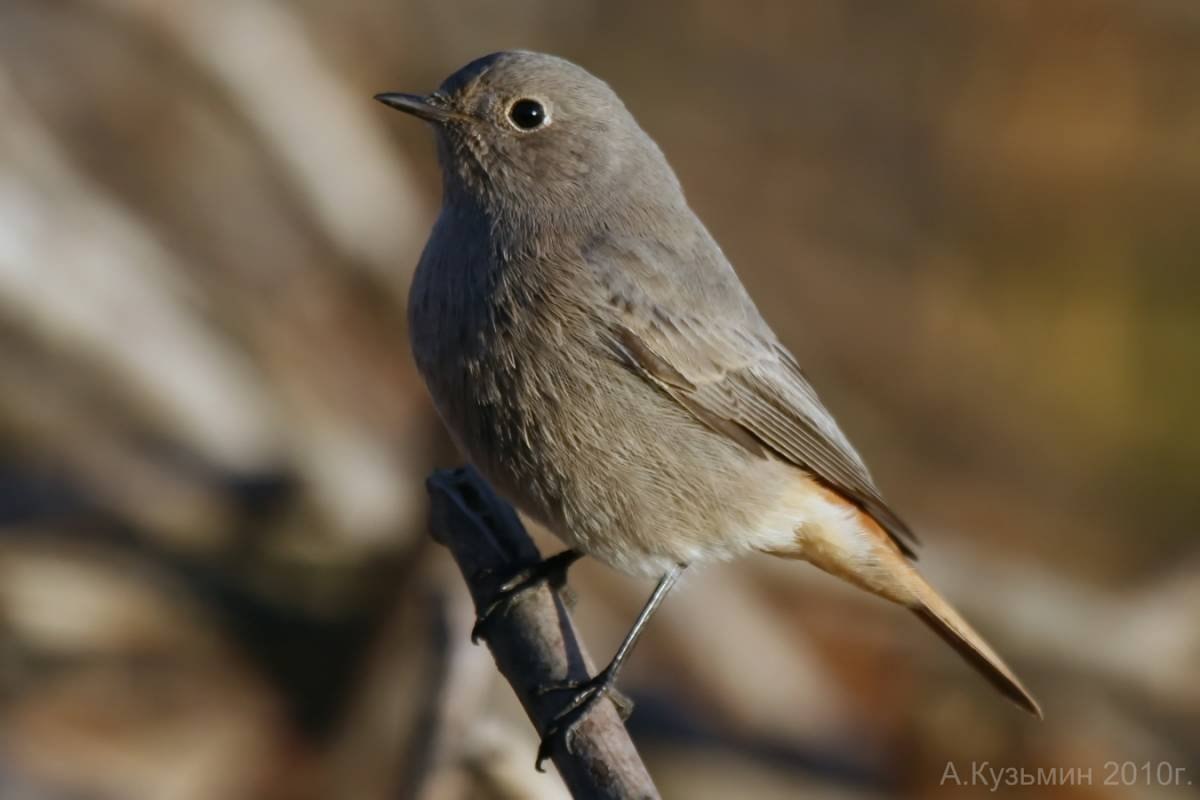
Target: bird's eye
x=527 y=114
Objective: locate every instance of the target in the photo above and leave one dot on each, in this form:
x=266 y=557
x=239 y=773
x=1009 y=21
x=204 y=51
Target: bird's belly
x=614 y=467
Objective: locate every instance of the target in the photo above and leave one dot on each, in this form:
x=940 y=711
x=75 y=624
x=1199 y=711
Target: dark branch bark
x=533 y=642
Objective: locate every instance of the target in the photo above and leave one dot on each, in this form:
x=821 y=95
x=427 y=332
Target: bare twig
x=533 y=642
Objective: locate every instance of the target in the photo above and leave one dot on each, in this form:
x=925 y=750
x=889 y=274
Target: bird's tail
x=954 y=630
x=848 y=543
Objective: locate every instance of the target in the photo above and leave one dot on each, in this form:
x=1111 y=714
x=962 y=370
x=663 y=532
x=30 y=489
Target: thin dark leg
x=552 y=570
x=589 y=692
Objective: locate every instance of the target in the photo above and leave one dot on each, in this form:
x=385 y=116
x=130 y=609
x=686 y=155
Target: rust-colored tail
x=954 y=630
x=845 y=541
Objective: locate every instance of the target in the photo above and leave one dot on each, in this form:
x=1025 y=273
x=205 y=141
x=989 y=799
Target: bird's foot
x=567 y=719
x=552 y=570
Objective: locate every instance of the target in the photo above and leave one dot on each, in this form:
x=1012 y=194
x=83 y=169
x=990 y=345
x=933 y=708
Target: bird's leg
x=552 y=570
x=590 y=691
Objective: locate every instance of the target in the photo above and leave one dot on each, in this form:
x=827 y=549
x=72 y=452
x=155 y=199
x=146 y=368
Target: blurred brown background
x=974 y=222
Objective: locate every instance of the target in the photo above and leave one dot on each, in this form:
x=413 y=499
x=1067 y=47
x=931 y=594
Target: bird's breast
x=517 y=363
x=505 y=353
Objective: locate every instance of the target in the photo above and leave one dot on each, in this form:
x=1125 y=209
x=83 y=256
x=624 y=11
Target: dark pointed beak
x=416 y=105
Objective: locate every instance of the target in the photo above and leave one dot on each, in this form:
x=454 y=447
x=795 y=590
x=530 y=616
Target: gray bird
x=592 y=351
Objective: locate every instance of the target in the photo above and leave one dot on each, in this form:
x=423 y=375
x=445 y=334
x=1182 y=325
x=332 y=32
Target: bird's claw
x=501 y=600
x=567 y=719
x=552 y=570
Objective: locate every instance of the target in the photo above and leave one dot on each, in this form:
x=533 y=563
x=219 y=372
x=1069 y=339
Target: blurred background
x=975 y=223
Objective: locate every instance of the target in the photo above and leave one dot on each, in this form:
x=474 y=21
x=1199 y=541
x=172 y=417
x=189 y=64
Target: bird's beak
x=417 y=105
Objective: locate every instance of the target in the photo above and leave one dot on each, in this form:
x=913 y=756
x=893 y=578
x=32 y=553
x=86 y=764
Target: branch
x=533 y=642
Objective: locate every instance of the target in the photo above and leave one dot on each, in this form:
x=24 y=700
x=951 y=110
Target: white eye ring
x=528 y=114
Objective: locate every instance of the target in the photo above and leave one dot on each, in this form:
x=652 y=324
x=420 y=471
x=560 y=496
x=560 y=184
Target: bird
x=592 y=351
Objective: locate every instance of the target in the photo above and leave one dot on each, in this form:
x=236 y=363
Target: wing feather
x=750 y=388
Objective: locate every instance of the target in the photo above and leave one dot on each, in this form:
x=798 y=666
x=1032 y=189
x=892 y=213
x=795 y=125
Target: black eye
x=527 y=114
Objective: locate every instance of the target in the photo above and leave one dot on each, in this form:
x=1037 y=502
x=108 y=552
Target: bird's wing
x=740 y=381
